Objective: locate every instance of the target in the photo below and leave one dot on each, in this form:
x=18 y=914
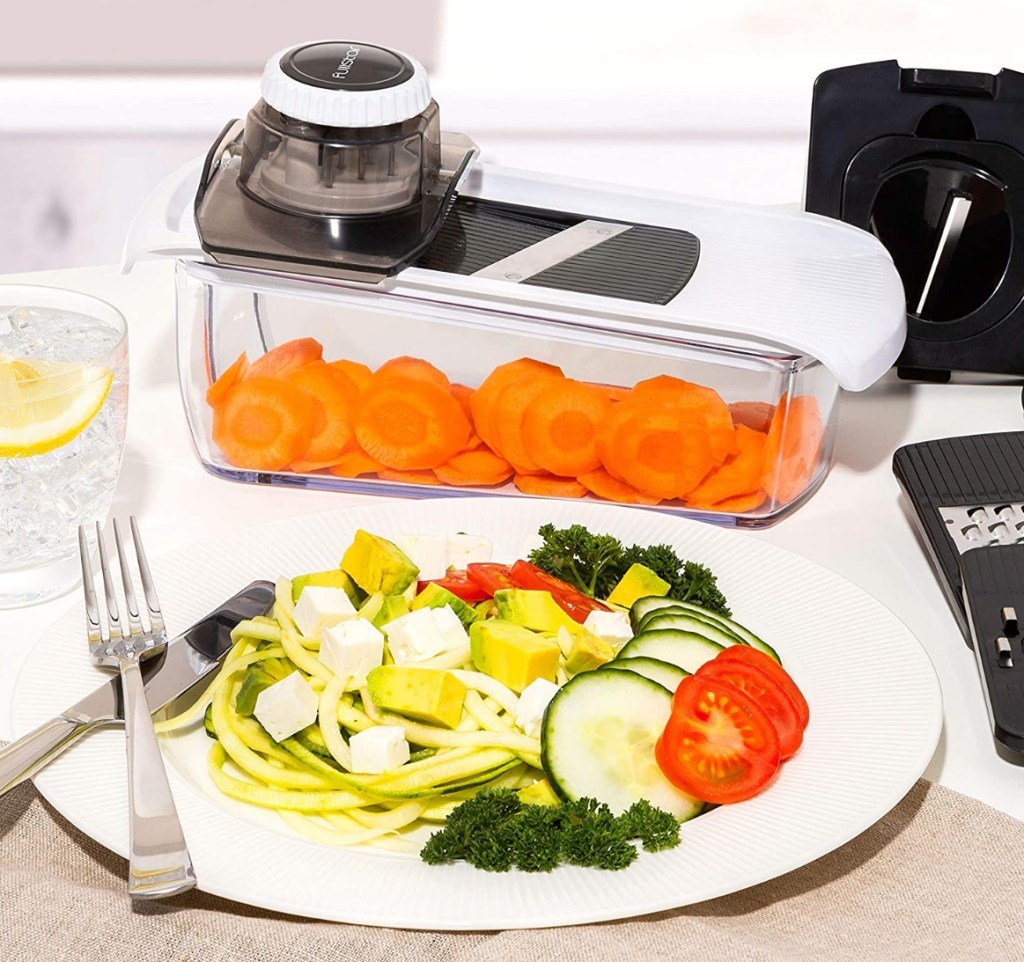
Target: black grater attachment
x=967 y=494
x=645 y=263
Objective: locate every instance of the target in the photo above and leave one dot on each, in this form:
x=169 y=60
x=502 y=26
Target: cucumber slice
x=686 y=649
x=745 y=634
x=598 y=742
x=646 y=623
x=684 y=620
x=644 y=606
x=665 y=674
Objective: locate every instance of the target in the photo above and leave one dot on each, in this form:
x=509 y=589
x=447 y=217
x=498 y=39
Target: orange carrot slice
x=559 y=427
x=548 y=486
x=285 y=358
x=479 y=467
x=353 y=463
x=410 y=424
x=332 y=431
x=737 y=475
x=358 y=373
x=414 y=367
x=407 y=477
x=756 y=415
x=661 y=451
x=483 y=398
x=462 y=394
x=229 y=377
x=509 y=411
x=793 y=448
x=601 y=483
x=740 y=504
x=264 y=423
x=704 y=402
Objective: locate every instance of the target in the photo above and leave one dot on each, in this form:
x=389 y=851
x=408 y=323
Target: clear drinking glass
x=63 y=412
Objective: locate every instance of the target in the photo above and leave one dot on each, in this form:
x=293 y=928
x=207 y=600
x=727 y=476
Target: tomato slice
x=459 y=584
x=718 y=745
x=574 y=603
x=771 y=667
x=766 y=691
x=490 y=577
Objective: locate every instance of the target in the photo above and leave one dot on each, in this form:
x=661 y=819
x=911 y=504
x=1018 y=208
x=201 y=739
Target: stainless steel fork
x=158 y=862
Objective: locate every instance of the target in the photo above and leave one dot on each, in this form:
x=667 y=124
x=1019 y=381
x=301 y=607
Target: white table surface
x=856 y=524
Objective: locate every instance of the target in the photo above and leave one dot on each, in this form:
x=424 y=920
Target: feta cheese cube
x=286 y=707
x=452 y=630
x=464 y=549
x=414 y=637
x=350 y=649
x=612 y=626
x=428 y=552
x=320 y=607
x=532 y=703
x=379 y=749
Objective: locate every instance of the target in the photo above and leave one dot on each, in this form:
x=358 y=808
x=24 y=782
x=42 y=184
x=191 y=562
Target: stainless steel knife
x=187 y=660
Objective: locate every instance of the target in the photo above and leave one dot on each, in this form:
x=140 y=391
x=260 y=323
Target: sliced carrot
x=612 y=391
x=548 y=486
x=559 y=427
x=738 y=475
x=264 y=423
x=353 y=463
x=338 y=395
x=410 y=424
x=358 y=373
x=793 y=449
x=408 y=477
x=229 y=377
x=483 y=398
x=601 y=483
x=479 y=467
x=697 y=399
x=509 y=410
x=414 y=367
x=287 y=357
x=307 y=467
x=740 y=504
x=756 y=415
x=661 y=451
x=462 y=394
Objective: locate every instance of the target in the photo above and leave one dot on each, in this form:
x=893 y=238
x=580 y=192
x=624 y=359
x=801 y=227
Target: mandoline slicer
x=968 y=499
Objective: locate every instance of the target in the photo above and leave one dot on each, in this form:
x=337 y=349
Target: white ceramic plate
x=875 y=721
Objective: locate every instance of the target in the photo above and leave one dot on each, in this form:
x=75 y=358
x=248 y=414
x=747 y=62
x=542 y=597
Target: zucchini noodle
x=308 y=778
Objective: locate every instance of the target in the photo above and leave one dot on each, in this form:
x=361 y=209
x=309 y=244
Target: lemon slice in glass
x=45 y=404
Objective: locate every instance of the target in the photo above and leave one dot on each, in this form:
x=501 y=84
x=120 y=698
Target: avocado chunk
x=535 y=610
x=512 y=654
x=583 y=650
x=312 y=739
x=434 y=596
x=375 y=564
x=392 y=607
x=486 y=609
x=539 y=793
x=638 y=582
x=256 y=679
x=334 y=578
x=430 y=695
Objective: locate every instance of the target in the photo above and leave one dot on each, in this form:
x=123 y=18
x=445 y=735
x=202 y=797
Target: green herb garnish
x=495 y=831
x=594 y=563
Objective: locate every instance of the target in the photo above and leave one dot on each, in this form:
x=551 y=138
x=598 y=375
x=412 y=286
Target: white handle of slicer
x=160 y=228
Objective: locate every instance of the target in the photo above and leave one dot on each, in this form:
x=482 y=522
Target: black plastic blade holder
x=967 y=496
x=932 y=163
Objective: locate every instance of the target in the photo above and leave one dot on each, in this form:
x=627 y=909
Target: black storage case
x=932 y=163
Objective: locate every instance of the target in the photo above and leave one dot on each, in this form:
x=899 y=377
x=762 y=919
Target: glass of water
x=63 y=412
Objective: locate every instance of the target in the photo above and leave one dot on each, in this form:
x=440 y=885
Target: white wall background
x=708 y=98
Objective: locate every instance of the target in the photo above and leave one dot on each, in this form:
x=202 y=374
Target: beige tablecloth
x=941 y=877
